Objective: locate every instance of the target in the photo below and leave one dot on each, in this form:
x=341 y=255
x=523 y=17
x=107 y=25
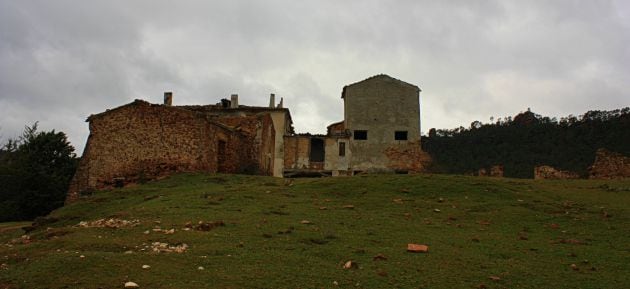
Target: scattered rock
x=437 y=210
x=131 y=285
x=398 y=201
x=417 y=248
x=306 y=222
x=495 y=278
x=350 y=207
x=200 y=268
x=207 y=226
x=82 y=256
x=350 y=265
x=108 y=223
x=575 y=267
x=159 y=247
x=286 y=231
x=146 y=266
x=4 y=266
x=440 y=200
x=323 y=208
x=379 y=257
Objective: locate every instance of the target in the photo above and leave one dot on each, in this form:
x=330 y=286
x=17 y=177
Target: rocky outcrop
x=551 y=173
x=609 y=165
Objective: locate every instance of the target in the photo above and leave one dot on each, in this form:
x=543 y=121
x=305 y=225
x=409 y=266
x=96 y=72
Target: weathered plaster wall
x=334 y=161
x=296 y=152
x=380 y=105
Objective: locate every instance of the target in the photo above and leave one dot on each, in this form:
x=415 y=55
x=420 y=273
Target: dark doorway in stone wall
x=221 y=157
x=317 y=150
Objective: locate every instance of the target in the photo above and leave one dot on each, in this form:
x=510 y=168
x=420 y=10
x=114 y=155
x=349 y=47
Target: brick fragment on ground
x=417 y=248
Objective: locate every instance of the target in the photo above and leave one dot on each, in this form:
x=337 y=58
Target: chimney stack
x=234 y=101
x=272 y=100
x=168 y=98
x=280 y=103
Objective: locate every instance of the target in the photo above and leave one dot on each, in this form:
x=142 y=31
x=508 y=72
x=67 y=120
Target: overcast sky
x=61 y=61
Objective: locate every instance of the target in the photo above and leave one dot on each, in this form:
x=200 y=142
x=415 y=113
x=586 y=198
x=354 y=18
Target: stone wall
x=548 y=172
x=142 y=141
x=408 y=157
x=609 y=165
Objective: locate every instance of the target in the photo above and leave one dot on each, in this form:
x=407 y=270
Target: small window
x=342 y=149
x=360 y=134
x=400 y=135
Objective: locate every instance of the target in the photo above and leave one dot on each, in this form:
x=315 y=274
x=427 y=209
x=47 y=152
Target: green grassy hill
x=262 y=232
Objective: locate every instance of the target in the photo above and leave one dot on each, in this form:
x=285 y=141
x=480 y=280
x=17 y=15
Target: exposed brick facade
x=143 y=141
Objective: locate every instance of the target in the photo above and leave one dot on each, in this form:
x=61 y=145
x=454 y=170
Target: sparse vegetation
x=260 y=232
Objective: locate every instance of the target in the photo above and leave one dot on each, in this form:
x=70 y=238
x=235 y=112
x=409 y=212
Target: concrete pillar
x=272 y=100
x=234 y=101
x=168 y=98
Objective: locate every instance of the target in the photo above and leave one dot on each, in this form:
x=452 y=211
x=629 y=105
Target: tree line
x=35 y=172
x=527 y=140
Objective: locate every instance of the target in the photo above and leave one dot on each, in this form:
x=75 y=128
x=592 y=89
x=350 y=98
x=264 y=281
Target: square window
x=360 y=134
x=400 y=135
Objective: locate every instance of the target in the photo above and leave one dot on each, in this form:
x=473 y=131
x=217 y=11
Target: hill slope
x=260 y=232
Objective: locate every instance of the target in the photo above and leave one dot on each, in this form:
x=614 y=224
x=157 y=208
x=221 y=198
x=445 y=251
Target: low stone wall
x=609 y=165
x=548 y=172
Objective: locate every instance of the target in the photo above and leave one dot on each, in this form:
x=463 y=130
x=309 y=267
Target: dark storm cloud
x=63 y=60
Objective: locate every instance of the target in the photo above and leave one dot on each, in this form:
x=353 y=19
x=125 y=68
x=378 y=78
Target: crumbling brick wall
x=548 y=172
x=609 y=165
x=407 y=157
x=141 y=141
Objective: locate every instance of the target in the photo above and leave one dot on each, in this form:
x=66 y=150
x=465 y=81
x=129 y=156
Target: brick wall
x=141 y=141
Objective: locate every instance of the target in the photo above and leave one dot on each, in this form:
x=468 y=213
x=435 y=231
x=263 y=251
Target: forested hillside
x=527 y=140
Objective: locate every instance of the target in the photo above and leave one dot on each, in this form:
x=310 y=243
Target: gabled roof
x=378 y=76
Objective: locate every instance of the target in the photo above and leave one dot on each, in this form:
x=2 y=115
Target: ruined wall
x=493 y=171
x=609 y=165
x=548 y=172
x=296 y=152
x=408 y=157
x=141 y=141
x=380 y=105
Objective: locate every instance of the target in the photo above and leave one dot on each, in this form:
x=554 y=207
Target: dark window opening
x=400 y=135
x=360 y=134
x=317 y=150
x=342 y=149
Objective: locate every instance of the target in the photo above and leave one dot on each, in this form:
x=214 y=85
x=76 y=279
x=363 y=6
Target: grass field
x=261 y=232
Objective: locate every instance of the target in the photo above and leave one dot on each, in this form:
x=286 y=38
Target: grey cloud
x=61 y=61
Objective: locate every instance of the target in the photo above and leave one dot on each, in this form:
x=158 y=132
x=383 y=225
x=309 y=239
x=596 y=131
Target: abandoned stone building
x=141 y=141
